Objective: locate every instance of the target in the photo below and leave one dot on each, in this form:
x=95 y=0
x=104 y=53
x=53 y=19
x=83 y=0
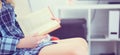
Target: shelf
x=102 y=6
x=106 y=39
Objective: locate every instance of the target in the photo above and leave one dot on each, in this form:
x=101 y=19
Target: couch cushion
x=71 y=28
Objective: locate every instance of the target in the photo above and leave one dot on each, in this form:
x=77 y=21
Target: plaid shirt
x=10 y=32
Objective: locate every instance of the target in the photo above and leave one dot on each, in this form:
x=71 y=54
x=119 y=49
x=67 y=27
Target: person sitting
x=13 y=41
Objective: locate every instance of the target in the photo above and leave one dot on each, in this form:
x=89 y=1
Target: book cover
x=39 y=22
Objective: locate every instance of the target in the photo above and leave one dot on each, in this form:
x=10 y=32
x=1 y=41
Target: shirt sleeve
x=8 y=45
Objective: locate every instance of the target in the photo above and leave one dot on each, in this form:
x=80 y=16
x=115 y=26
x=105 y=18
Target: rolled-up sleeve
x=8 y=45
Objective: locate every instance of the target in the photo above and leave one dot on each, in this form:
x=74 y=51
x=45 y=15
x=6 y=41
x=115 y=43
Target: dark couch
x=71 y=28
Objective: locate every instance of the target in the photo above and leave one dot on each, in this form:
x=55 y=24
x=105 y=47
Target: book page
x=39 y=22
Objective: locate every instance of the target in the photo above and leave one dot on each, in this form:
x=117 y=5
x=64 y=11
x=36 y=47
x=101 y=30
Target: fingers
x=41 y=37
x=38 y=37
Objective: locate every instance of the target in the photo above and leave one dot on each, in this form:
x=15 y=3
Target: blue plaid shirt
x=10 y=31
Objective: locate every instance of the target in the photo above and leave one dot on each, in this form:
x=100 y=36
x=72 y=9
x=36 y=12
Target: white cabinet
x=104 y=39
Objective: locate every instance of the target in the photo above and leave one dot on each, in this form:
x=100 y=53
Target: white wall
x=38 y=4
x=73 y=13
x=22 y=8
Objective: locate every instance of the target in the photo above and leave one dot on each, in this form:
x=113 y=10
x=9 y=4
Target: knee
x=81 y=47
x=81 y=41
x=79 y=52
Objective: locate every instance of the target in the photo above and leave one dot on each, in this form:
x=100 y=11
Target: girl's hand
x=57 y=19
x=30 y=41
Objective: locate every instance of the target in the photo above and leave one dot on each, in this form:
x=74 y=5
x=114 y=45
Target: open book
x=39 y=22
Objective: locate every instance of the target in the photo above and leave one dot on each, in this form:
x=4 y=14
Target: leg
x=74 y=46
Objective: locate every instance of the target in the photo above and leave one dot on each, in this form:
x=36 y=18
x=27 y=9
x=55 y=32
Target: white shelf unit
x=90 y=8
